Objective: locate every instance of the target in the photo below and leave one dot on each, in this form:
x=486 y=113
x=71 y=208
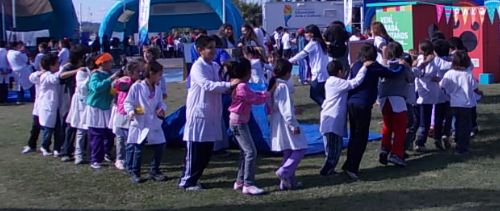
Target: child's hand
x=234 y=82
x=367 y=63
x=160 y=112
x=296 y=130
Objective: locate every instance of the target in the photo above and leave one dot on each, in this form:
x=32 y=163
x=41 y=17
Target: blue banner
x=144 y=7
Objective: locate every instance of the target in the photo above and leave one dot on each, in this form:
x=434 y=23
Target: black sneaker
x=394 y=159
x=382 y=157
x=135 y=179
x=157 y=177
x=327 y=170
x=439 y=145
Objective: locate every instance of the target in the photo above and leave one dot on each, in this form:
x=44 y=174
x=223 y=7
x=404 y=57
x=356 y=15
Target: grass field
x=433 y=181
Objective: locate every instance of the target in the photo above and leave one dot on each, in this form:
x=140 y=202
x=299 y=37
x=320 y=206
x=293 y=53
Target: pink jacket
x=242 y=100
x=122 y=87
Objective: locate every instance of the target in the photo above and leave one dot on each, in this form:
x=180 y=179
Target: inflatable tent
x=58 y=16
x=168 y=14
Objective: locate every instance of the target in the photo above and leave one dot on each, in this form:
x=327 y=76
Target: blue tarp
x=173 y=126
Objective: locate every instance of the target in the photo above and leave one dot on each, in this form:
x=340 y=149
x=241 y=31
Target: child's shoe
x=136 y=179
x=56 y=153
x=420 y=149
x=95 y=165
x=394 y=159
x=108 y=158
x=45 y=152
x=284 y=182
x=197 y=187
x=252 y=190
x=237 y=185
x=157 y=177
x=66 y=158
x=27 y=149
x=119 y=164
x=78 y=160
x=382 y=157
x=353 y=176
x=327 y=169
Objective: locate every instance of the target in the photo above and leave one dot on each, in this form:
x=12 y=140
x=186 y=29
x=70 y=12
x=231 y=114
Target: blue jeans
x=425 y=114
x=248 y=156
x=46 y=136
x=317 y=92
x=463 y=126
x=412 y=126
x=134 y=153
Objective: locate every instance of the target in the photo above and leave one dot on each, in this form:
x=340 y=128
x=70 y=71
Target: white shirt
x=443 y=66
x=36 y=63
x=48 y=94
x=428 y=90
x=318 y=60
x=35 y=79
x=63 y=57
x=204 y=103
x=4 y=65
x=285 y=39
x=18 y=62
x=277 y=38
x=145 y=126
x=379 y=43
x=334 y=108
x=460 y=86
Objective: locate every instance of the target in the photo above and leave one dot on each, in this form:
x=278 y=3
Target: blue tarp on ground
x=173 y=126
x=12 y=97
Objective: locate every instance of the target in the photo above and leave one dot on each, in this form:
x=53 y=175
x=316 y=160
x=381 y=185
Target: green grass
x=434 y=181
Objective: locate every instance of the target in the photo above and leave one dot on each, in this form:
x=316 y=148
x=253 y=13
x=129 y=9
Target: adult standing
x=337 y=37
x=227 y=36
x=18 y=61
x=259 y=32
x=248 y=37
x=318 y=60
x=287 y=45
x=278 y=33
x=63 y=54
x=380 y=39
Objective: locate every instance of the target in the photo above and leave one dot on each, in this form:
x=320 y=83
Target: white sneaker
x=45 y=152
x=252 y=190
x=27 y=149
x=95 y=165
x=78 y=160
x=237 y=186
x=56 y=153
x=119 y=164
x=194 y=188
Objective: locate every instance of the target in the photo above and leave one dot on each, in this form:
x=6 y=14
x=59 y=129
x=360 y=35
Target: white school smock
x=379 y=43
x=35 y=79
x=334 y=109
x=146 y=126
x=77 y=111
x=49 y=99
x=460 y=86
x=427 y=89
x=443 y=67
x=204 y=103
x=318 y=60
x=18 y=62
x=257 y=75
x=4 y=66
x=283 y=120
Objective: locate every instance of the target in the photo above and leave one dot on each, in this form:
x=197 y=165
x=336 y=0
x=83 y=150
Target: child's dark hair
x=368 y=52
x=239 y=69
x=48 y=60
x=394 y=51
x=204 y=41
x=154 y=51
x=90 y=61
x=77 y=55
x=427 y=47
x=441 y=47
x=461 y=60
x=132 y=66
x=281 y=68
x=456 y=43
x=152 y=68
x=334 y=67
x=44 y=46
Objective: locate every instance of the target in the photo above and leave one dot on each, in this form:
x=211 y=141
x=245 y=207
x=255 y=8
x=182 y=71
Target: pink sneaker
x=237 y=186
x=252 y=190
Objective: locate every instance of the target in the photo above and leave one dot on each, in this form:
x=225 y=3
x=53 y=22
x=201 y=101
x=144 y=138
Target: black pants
x=197 y=157
x=425 y=114
x=287 y=53
x=359 y=121
x=4 y=92
x=59 y=133
x=463 y=127
x=442 y=120
x=35 y=132
x=317 y=92
x=69 y=140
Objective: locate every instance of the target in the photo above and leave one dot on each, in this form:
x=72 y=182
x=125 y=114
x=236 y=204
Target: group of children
x=126 y=107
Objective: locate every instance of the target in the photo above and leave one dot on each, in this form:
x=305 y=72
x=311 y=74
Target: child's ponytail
x=281 y=68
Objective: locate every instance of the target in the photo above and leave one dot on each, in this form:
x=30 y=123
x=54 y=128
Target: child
x=392 y=93
x=334 y=112
x=203 y=113
x=380 y=40
x=286 y=135
x=461 y=87
x=258 y=66
x=48 y=96
x=144 y=105
x=442 y=113
x=99 y=109
x=35 y=126
x=119 y=121
x=242 y=100
x=4 y=73
x=411 y=102
x=428 y=92
x=77 y=113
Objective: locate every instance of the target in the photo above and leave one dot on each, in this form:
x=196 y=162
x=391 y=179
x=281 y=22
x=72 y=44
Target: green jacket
x=99 y=90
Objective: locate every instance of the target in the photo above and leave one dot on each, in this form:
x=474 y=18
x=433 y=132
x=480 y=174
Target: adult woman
x=337 y=37
x=248 y=37
x=227 y=36
x=380 y=39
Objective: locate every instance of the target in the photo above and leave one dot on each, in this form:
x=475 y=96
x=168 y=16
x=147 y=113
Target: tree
x=250 y=11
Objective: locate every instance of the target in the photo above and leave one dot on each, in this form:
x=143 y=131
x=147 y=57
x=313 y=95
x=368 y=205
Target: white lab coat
x=4 y=66
x=283 y=121
x=35 y=79
x=334 y=108
x=428 y=90
x=145 y=126
x=77 y=112
x=48 y=94
x=204 y=103
x=443 y=66
x=18 y=62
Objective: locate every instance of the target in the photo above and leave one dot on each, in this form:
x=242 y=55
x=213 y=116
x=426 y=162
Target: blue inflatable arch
x=168 y=14
x=58 y=16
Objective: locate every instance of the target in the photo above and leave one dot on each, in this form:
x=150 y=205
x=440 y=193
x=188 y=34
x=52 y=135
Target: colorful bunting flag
x=456 y=12
x=439 y=12
x=465 y=13
x=447 y=13
x=473 y=14
x=491 y=6
x=482 y=12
